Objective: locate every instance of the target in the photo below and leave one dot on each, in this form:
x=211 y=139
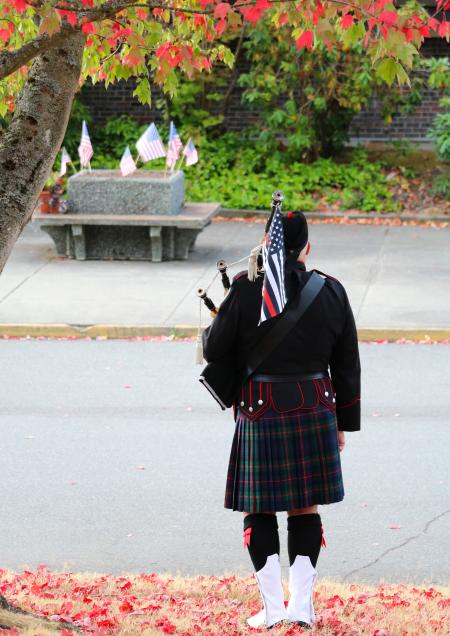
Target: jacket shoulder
x=242 y=281
x=335 y=285
x=241 y=276
x=326 y=275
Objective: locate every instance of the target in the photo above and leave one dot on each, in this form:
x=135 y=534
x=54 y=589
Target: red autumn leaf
x=283 y=18
x=305 y=40
x=106 y=624
x=220 y=27
x=444 y=29
x=206 y=63
x=70 y=15
x=199 y=21
x=87 y=3
x=88 y=28
x=4 y=35
x=126 y=607
x=388 y=17
x=20 y=5
x=433 y=24
x=126 y=586
x=252 y=15
x=347 y=21
x=424 y=31
x=221 y=10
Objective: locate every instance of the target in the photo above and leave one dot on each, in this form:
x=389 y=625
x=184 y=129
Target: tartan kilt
x=284 y=460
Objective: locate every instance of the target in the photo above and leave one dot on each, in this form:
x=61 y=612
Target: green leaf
x=354 y=34
x=143 y=91
x=387 y=70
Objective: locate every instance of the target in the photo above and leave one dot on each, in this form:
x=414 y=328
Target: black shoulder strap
x=284 y=325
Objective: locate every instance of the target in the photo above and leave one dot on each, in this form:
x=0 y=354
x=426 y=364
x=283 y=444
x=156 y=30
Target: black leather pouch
x=287 y=396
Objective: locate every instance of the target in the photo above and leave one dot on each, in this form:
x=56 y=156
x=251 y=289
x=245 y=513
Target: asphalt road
x=113 y=459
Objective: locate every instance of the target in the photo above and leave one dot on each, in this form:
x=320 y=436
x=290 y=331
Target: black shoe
x=302 y=624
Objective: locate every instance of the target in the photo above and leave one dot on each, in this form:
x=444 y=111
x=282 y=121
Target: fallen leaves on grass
x=153 y=604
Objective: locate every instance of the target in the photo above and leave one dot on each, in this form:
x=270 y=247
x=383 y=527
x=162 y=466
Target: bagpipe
x=255 y=265
x=222 y=378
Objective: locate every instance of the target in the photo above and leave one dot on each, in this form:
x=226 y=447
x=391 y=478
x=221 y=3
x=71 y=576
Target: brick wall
x=367 y=126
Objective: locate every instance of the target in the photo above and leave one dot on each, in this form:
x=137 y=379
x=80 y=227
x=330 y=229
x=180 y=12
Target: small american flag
x=127 y=164
x=85 y=149
x=175 y=145
x=274 y=290
x=65 y=159
x=190 y=152
x=149 y=144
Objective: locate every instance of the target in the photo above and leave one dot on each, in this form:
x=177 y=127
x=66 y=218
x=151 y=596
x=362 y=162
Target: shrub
x=440 y=134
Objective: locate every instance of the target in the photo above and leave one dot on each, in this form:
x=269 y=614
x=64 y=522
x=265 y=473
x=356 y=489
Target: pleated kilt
x=284 y=455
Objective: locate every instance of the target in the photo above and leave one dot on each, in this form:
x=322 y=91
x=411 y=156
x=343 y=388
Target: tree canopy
x=155 y=40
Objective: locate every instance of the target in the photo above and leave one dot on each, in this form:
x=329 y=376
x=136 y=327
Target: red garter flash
x=247 y=534
x=323 y=539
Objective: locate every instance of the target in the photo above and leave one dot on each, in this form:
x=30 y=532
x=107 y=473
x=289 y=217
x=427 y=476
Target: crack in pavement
x=27 y=278
x=397 y=547
x=373 y=272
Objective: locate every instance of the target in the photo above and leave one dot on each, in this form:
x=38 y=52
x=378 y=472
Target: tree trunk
x=29 y=146
x=27 y=152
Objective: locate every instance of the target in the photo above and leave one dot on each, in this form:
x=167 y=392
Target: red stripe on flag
x=268 y=302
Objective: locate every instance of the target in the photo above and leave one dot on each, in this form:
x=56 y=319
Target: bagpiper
x=292 y=411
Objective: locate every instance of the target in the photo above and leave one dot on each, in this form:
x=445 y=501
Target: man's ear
x=308 y=248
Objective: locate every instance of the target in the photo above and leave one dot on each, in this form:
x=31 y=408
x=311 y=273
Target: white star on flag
x=85 y=149
x=174 y=148
x=149 y=144
x=127 y=164
x=65 y=159
x=190 y=152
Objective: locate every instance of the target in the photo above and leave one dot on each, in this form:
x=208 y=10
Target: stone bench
x=153 y=237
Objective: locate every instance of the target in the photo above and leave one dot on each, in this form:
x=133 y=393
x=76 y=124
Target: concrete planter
x=139 y=217
x=143 y=192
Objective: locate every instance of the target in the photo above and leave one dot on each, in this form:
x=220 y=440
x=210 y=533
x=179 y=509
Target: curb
x=113 y=332
x=234 y=212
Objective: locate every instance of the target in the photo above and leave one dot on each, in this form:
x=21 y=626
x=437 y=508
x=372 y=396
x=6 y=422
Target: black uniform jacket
x=325 y=337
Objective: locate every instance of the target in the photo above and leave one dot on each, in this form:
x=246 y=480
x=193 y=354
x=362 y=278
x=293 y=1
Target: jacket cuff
x=349 y=416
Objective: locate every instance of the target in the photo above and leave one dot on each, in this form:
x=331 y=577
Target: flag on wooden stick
x=175 y=145
x=65 y=159
x=85 y=149
x=149 y=144
x=190 y=152
x=127 y=164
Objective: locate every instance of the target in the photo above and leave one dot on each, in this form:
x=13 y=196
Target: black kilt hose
x=284 y=453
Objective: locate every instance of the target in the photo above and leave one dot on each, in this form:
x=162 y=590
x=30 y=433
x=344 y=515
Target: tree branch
x=11 y=61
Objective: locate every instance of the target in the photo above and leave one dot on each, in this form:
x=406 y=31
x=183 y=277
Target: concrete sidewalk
x=396 y=277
